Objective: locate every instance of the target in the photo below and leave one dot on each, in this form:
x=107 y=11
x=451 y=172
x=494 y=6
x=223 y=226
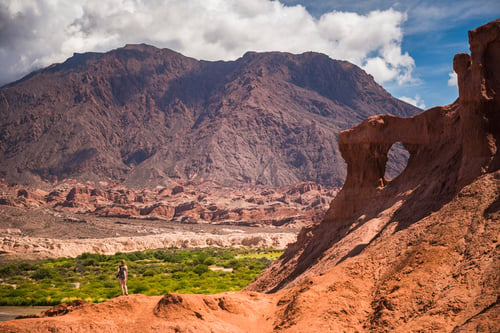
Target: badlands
x=74 y=218
x=419 y=253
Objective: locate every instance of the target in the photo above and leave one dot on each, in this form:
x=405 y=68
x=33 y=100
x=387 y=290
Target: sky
x=407 y=46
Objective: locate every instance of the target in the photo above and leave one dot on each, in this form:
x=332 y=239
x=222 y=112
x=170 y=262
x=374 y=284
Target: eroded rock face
x=90 y=219
x=389 y=242
x=449 y=145
x=449 y=148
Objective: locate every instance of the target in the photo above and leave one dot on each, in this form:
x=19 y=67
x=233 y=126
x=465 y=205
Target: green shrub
x=119 y=256
x=200 y=258
x=209 y=261
x=12 y=269
x=90 y=262
x=200 y=269
x=172 y=257
x=149 y=272
x=43 y=273
x=110 y=284
x=138 y=288
x=234 y=263
x=92 y=276
x=26 y=266
x=132 y=257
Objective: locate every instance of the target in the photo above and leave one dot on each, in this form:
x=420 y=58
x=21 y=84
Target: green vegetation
x=92 y=276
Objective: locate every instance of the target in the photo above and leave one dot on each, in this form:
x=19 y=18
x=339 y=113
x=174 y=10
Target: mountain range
x=145 y=116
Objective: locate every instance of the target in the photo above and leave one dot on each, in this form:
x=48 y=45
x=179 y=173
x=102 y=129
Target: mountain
x=143 y=115
x=419 y=253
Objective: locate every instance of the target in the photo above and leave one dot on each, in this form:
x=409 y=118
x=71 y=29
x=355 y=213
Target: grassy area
x=92 y=276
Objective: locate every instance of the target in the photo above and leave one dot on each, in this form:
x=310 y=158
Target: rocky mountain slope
x=145 y=116
x=417 y=254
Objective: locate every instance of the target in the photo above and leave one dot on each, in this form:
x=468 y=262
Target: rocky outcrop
x=291 y=206
x=92 y=216
x=461 y=139
x=450 y=148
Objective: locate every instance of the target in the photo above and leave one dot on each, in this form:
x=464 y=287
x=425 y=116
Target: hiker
x=122 y=275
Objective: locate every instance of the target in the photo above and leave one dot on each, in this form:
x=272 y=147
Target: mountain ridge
x=145 y=116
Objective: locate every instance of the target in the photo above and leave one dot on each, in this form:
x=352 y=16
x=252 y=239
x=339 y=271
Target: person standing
x=122 y=276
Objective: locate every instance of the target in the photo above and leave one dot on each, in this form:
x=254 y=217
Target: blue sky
x=408 y=46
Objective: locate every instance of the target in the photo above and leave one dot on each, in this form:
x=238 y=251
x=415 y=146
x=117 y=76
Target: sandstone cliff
x=416 y=254
x=424 y=243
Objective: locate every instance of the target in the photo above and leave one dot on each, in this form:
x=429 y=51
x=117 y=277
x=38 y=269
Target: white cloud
x=380 y=69
x=372 y=41
x=37 y=34
x=416 y=101
x=453 y=80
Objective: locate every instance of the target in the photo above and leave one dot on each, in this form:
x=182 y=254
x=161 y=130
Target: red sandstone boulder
x=159 y=210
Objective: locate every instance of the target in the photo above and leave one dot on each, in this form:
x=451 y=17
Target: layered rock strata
x=449 y=147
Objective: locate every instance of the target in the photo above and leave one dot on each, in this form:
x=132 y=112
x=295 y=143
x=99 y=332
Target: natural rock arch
x=397 y=160
x=449 y=147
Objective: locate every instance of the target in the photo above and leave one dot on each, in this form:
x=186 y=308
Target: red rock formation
x=449 y=147
x=416 y=254
x=159 y=210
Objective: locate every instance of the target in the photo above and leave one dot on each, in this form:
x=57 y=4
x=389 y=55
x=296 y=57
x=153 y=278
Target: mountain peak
x=267 y=118
x=141 y=46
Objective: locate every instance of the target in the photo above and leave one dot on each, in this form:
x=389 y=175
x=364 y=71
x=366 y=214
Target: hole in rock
x=397 y=159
